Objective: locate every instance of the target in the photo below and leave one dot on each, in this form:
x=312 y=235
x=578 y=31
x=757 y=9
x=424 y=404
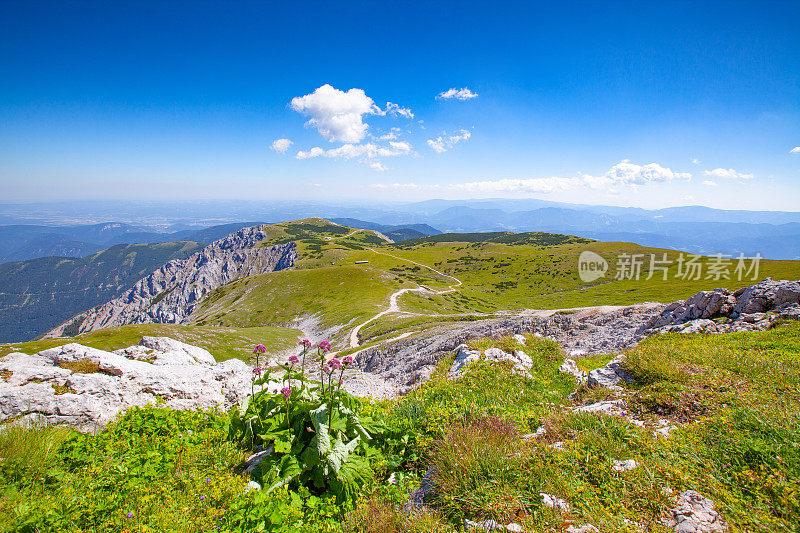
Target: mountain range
x=37 y=294
x=695 y=229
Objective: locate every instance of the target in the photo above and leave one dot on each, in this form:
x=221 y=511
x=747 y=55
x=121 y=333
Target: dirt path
x=393 y=305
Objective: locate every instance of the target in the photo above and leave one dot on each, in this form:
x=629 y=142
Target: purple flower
x=348 y=360
x=202 y=496
x=341 y=382
x=328 y=369
x=305 y=343
x=286 y=391
x=130 y=515
x=335 y=363
x=294 y=359
x=208 y=480
x=260 y=348
x=257 y=371
x=325 y=346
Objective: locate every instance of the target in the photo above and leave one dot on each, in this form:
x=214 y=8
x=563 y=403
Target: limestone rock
x=624 y=466
x=86 y=387
x=585 y=528
x=694 y=513
x=421 y=497
x=605 y=407
x=611 y=375
x=745 y=309
x=173 y=292
x=464 y=356
x=554 y=502
x=569 y=366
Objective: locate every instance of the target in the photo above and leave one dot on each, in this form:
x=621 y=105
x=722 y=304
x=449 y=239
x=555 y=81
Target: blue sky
x=649 y=104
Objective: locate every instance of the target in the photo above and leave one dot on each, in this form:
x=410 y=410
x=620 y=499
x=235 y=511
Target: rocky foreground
x=593 y=330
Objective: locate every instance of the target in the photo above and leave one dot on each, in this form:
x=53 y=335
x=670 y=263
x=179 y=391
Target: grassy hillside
x=38 y=294
x=223 y=343
x=497 y=271
x=733 y=399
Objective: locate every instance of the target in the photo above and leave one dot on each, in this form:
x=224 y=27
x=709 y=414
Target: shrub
x=480 y=467
x=383 y=516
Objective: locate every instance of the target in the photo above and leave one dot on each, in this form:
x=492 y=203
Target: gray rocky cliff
x=172 y=293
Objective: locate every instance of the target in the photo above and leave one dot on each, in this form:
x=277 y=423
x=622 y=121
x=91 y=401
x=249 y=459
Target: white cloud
x=795 y=150
x=710 y=183
x=458 y=94
x=444 y=143
x=728 y=174
x=368 y=153
x=281 y=145
x=337 y=115
x=394 y=109
x=695 y=161
x=622 y=174
x=627 y=173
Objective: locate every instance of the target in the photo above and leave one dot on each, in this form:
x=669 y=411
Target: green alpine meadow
x=417 y=267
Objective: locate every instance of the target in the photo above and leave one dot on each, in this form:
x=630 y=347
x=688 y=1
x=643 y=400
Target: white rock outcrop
x=694 y=513
x=520 y=361
x=611 y=375
x=86 y=387
x=570 y=366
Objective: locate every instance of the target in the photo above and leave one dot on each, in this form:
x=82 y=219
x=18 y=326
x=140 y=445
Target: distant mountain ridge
x=21 y=242
x=170 y=294
x=37 y=294
x=397 y=232
x=694 y=229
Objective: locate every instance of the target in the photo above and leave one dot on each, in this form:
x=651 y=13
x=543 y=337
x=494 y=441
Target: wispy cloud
x=795 y=150
x=367 y=153
x=623 y=174
x=728 y=173
x=458 y=94
x=443 y=143
x=710 y=183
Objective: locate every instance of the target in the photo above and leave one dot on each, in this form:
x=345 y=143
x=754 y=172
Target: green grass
x=735 y=397
x=338 y=295
x=222 y=342
x=506 y=272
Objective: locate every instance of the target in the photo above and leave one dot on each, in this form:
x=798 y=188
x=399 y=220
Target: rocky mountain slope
x=171 y=293
x=591 y=330
x=38 y=294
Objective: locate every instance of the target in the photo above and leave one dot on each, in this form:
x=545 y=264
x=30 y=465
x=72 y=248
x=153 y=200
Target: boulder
x=694 y=513
x=569 y=366
x=521 y=363
x=624 y=466
x=86 y=388
x=554 y=502
x=767 y=295
x=585 y=528
x=464 y=356
x=611 y=375
x=605 y=407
